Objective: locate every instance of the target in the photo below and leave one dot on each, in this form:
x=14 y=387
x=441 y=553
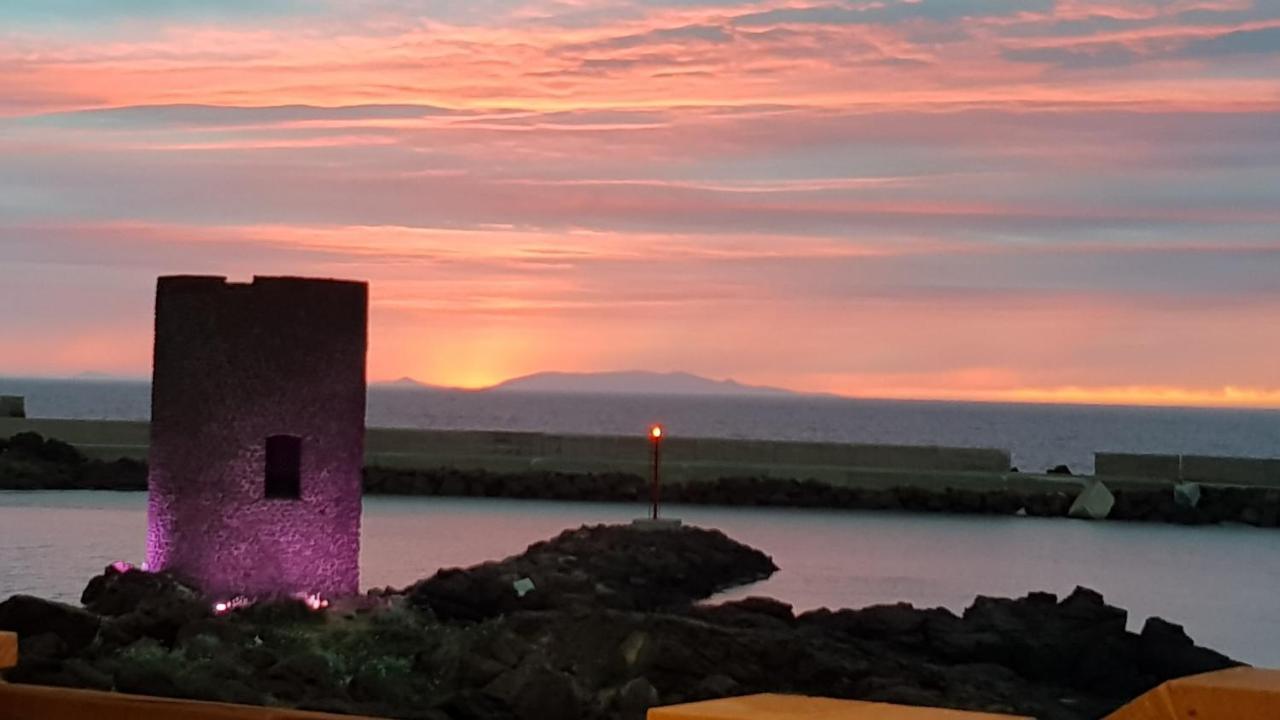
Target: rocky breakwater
x=29 y=461
x=605 y=566
x=600 y=622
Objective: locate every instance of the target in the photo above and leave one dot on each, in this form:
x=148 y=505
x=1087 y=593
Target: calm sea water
x=1039 y=436
x=1220 y=582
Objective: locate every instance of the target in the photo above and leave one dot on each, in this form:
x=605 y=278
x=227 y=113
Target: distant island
x=631 y=382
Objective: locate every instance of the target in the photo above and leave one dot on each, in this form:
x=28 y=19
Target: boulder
x=31 y=616
x=636 y=697
x=120 y=590
x=1093 y=503
x=136 y=605
x=535 y=692
x=1166 y=652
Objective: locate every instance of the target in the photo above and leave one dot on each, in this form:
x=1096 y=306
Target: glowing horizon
x=1038 y=201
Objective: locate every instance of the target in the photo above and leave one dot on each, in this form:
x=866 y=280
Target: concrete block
x=1231 y=471
x=1186 y=494
x=1093 y=503
x=1162 y=467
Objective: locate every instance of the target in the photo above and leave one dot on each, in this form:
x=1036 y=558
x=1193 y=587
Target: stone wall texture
x=235 y=363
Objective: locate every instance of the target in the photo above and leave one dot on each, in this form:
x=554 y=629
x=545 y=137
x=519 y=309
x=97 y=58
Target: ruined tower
x=257 y=434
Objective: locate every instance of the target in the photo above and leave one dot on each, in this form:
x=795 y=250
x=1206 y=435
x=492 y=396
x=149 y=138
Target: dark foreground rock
x=608 y=631
x=602 y=566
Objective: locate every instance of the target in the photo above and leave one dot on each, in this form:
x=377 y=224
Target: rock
x=472 y=704
x=748 y=611
x=901 y=622
x=1041 y=638
x=378 y=682
x=44 y=645
x=301 y=676
x=31 y=616
x=478 y=670
x=146 y=680
x=536 y=692
x=716 y=686
x=636 y=697
x=605 y=565
x=1166 y=652
x=469 y=595
x=1093 y=503
x=1186 y=495
x=120 y=591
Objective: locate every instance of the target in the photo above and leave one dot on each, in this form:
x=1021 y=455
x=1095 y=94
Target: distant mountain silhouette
x=635 y=382
x=408 y=383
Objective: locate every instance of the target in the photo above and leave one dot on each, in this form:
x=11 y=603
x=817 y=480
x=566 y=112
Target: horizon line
x=1023 y=396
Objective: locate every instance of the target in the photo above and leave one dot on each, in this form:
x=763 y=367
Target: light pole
x=655 y=498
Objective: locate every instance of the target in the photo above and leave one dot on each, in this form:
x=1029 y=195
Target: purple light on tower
x=257 y=435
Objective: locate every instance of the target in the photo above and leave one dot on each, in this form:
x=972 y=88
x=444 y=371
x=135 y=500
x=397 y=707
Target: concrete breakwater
x=695 y=459
x=741 y=472
x=1146 y=503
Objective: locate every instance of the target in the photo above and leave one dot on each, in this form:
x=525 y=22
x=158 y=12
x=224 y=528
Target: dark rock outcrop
x=612 y=566
x=60 y=628
x=118 y=591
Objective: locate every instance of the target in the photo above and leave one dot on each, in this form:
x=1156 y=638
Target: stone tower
x=257 y=434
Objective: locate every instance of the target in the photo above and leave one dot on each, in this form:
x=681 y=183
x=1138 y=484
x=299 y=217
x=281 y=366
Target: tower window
x=284 y=467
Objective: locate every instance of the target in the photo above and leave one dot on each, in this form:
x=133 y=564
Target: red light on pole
x=655 y=438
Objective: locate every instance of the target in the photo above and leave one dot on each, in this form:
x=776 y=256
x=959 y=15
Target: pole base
x=659 y=524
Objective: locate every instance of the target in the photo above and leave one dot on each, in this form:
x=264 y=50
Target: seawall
x=717 y=472
x=684 y=459
x=706 y=459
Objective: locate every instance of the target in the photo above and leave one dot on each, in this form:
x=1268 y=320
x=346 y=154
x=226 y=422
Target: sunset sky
x=1049 y=200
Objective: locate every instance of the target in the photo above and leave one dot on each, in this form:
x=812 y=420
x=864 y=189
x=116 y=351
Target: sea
x=1220 y=582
